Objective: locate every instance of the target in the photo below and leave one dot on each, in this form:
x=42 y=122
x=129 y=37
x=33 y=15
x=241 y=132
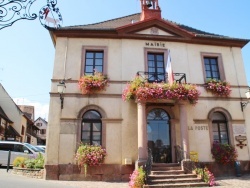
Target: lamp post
x=60 y=89
x=243 y=104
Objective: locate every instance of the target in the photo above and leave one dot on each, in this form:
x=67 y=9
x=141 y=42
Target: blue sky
x=27 y=52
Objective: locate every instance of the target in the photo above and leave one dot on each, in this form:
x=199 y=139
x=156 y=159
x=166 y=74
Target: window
x=93 y=62
x=38 y=124
x=220 y=129
x=94 y=58
x=6 y=147
x=43 y=131
x=212 y=66
x=156 y=67
x=91 y=128
x=22 y=131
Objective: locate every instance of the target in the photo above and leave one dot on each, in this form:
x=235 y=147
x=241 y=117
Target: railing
x=148 y=165
x=162 y=77
x=179 y=153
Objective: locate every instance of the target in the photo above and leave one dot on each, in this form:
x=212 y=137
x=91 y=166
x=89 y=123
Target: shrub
x=89 y=155
x=37 y=163
x=19 y=162
x=224 y=153
x=206 y=175
x=137 y=178
x=30 y=163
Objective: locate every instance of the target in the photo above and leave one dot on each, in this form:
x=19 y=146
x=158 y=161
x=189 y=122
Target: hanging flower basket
x=93 y=83
x=218 y=88
x=142 y=90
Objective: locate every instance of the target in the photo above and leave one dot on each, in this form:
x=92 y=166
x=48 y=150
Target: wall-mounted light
x=243 y=104
x=60 y=88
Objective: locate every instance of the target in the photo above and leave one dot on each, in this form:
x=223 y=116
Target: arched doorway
x=159 y=135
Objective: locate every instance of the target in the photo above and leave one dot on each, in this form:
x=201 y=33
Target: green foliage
x=206 y=175
x=30 y=163
x=37 y=163
x=19 y=162
x=137 y=178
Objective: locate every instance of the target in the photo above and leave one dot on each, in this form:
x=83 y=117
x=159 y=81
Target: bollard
x=8 y=164
x=237 y=168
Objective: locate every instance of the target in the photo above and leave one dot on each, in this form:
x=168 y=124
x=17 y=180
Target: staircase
x=171 y=175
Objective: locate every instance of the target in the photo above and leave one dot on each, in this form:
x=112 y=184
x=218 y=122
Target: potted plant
x=93 y=83
x=218 y=87
x=89 y=155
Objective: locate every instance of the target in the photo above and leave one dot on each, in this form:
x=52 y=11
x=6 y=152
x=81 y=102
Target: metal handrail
x=161 y=77
x=179 y=153
x=148 y=165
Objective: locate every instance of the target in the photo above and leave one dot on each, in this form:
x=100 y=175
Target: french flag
x=169 y=69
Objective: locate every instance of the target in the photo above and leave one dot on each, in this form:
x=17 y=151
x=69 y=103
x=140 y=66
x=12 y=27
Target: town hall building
x=141 y=45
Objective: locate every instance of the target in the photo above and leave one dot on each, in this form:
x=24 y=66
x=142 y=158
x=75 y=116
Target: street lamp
x=60 y=89
x=243 y=104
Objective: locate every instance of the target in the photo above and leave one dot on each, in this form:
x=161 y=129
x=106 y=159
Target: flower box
x=142 y=91
x=93 y=83
x=218 y=88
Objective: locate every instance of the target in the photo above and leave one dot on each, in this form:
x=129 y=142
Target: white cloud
x=41 y=110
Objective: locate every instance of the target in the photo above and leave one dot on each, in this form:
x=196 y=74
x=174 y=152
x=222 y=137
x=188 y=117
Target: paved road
x=9 y=180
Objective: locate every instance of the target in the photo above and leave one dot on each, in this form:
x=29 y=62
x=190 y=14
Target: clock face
x=49 y=16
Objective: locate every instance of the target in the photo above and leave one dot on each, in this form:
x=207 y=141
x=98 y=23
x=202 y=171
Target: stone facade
x=125 y=129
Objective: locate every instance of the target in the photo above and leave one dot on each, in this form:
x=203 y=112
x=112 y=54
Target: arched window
x=91 y=128
x=220 y=128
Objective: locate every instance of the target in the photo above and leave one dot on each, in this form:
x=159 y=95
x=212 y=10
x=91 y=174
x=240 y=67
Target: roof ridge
x=105 y=20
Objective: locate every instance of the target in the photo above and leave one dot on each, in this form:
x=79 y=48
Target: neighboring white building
x=41 y=124
x=120 y=48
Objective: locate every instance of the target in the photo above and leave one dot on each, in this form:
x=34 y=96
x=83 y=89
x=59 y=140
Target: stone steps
x=177 y=185
x=171 y=175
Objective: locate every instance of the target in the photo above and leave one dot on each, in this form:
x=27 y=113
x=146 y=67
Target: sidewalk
x=232 y=181
x=223 y=182
x=10 y=180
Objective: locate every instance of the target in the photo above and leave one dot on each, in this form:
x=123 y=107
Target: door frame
x=172 y=124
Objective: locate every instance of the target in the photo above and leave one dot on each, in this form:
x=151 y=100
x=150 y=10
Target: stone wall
x=217 y=169
x=32 y=173
x=105 y=172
